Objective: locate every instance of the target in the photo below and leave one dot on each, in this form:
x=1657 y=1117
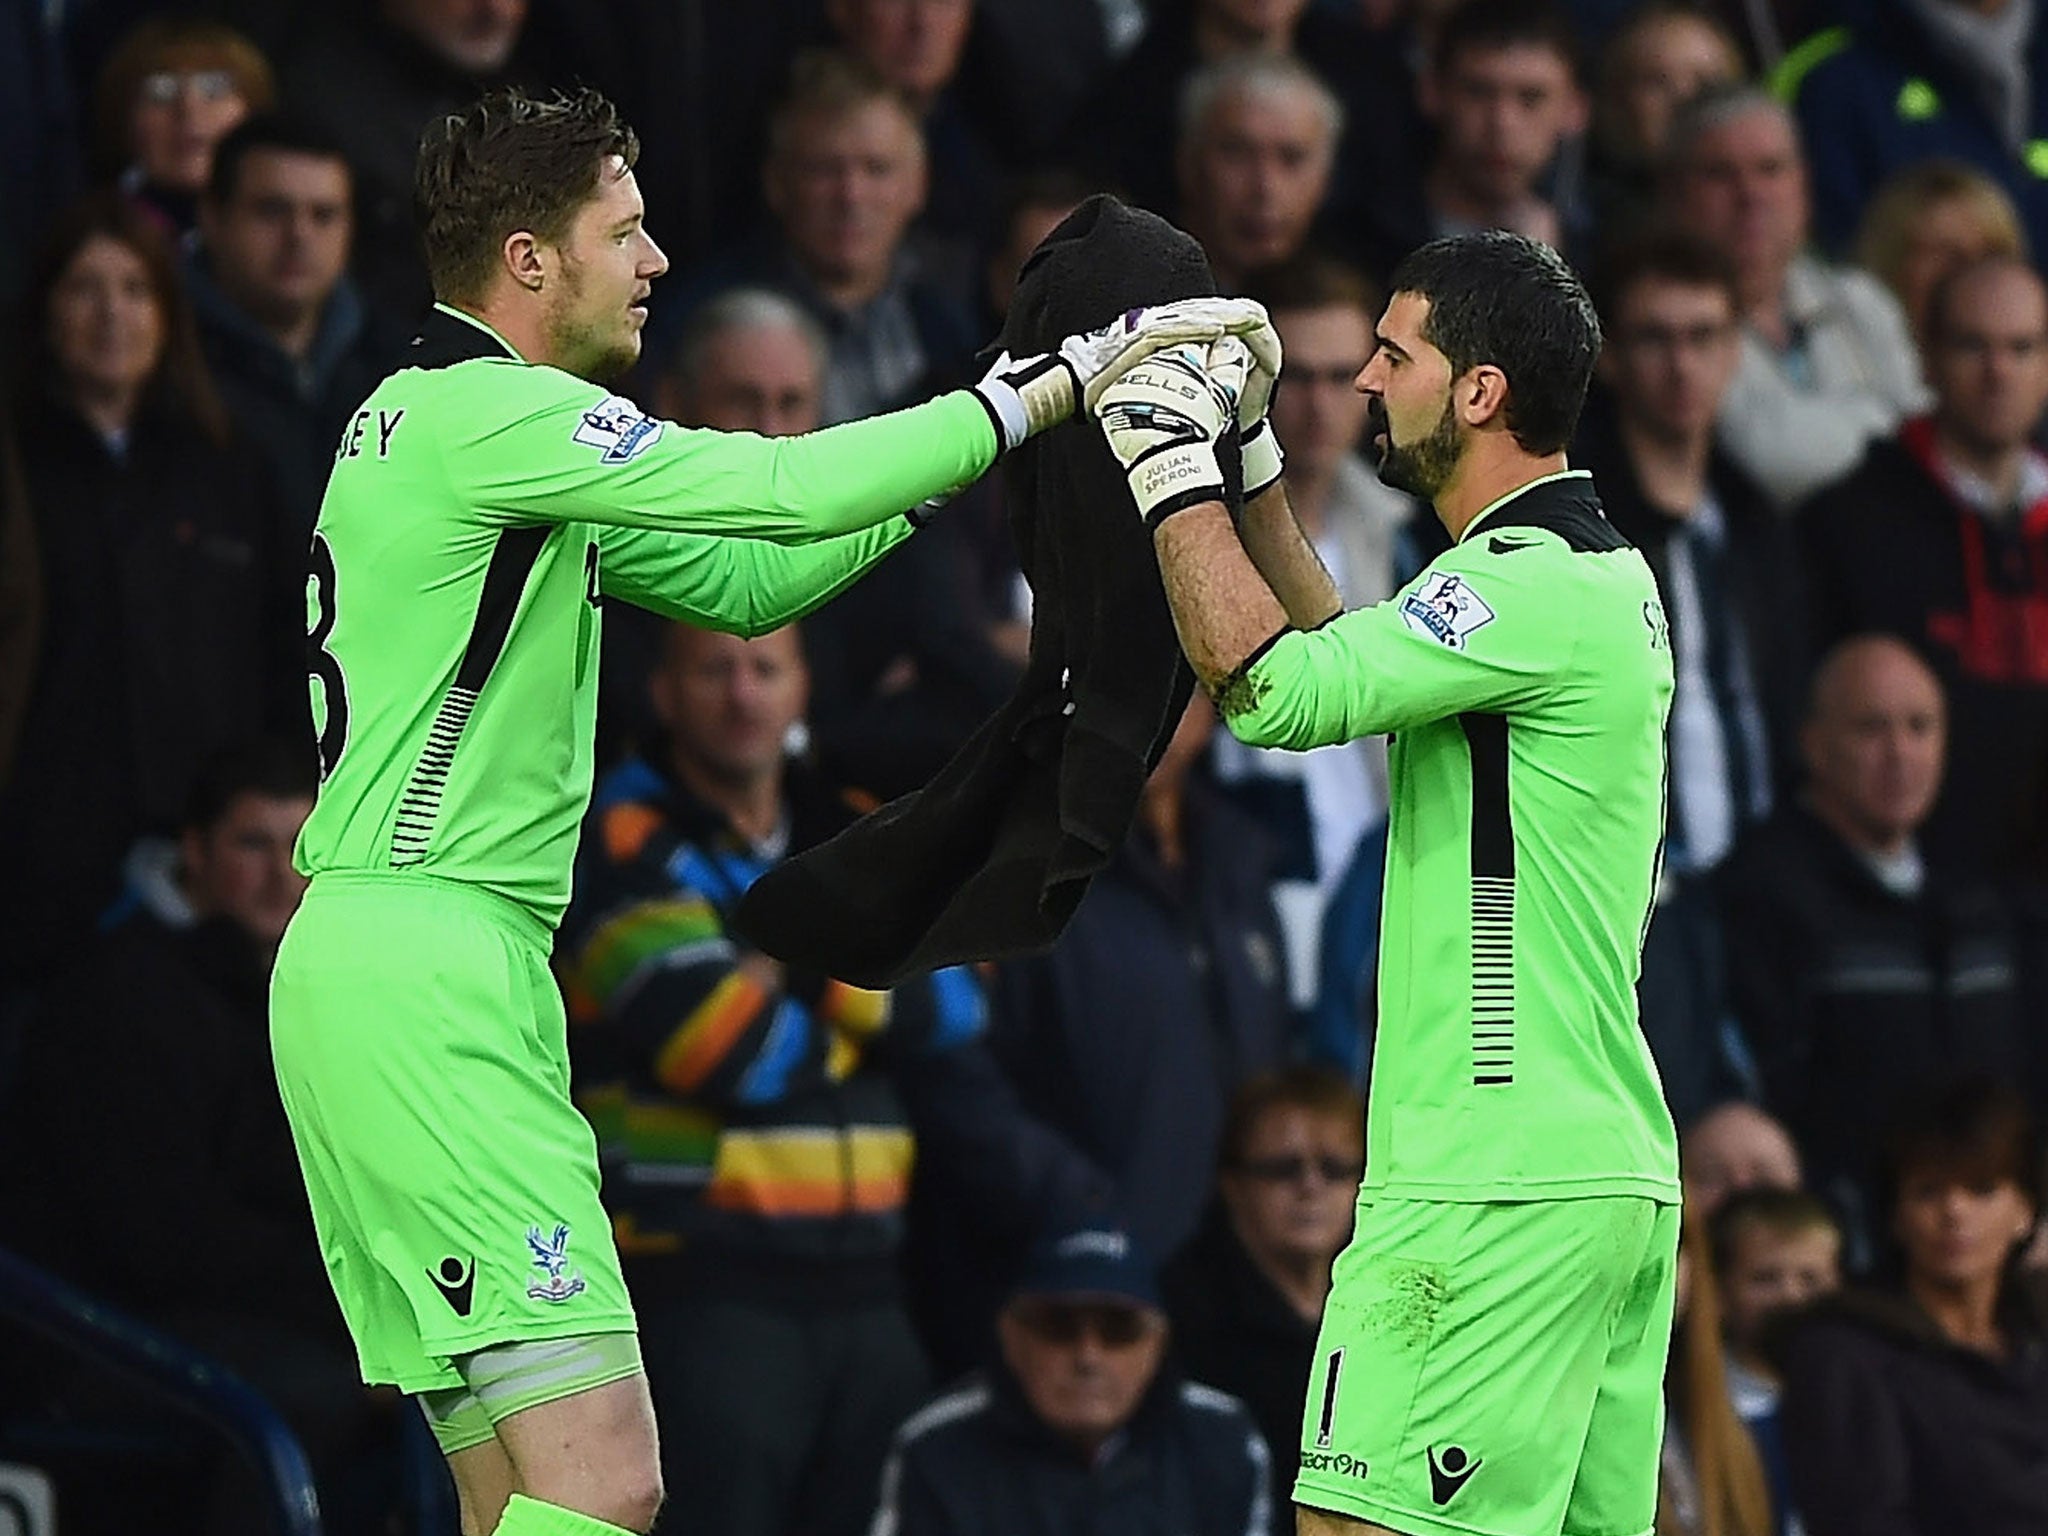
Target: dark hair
x=270 y=767
x=1313 y=281
x=1051 y=187
x=1765 y=1208
x=181 y=389
x=1316 y=1089
x=509 y=162
x=1503 y=299
x=272 y=132
x=1667 y=254
x=1479 y=25
x=1976 y=1130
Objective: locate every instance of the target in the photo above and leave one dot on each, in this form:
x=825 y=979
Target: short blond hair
x=1886 y=232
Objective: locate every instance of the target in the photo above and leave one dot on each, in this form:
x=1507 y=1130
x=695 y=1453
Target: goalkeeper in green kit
x=1493 y=1348
x=484 y=500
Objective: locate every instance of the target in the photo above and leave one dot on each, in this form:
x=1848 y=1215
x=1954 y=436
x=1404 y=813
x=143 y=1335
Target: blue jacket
x=1877 y=96
x=1164 y=994
x=1189 y=1463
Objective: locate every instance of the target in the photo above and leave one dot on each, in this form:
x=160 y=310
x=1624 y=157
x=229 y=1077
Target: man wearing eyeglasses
x=1724 y=562
x=1082 y=1426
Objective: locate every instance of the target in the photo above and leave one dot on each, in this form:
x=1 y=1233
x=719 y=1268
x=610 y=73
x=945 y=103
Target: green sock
x=530 y=1517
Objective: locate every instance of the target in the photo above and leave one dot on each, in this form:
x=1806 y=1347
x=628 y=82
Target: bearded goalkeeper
x=1492 y=1353
x=484 y=501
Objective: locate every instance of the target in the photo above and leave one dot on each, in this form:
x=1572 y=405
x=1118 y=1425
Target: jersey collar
x=449 y=336
x=1522 y=490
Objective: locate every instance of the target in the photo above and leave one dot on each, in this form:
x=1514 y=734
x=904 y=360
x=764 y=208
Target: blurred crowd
x=1041 y=1246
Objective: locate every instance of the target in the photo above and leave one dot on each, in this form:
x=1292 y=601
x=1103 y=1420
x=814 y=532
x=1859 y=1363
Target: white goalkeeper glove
x=1162 y=419
x=1025 y=395
x=1263 y=461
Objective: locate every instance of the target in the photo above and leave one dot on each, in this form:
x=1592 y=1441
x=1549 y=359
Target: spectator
x=1912 y=80
x=905 y=667
x=1163 y=995
x=1711 y=1479
x=286 y=335
x=170 y=93
x=1921 y=1407
x=844 y=178
x=1863 y=970
x=373 y=83
x=153 y=1113
x=1774 y=1252
x=756 y=1139
x=916 y=46
x=1927 y=221
x=1246 y=1295
x=1502 y=89
x=1317 y=805
x=172 y=604
x=1661 y=56
x=1033 y=208
x=1734 y=1146
x=1083 y=1426
x=1373 y=211
x=1940 y=536
x=1723 y=562
x=1258 y=139
x=1827 y=361
x=751 y=360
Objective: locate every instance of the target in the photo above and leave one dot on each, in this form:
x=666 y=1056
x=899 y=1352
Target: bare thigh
x=1321 y=1522
x=594 y=1452
x=484 y=1482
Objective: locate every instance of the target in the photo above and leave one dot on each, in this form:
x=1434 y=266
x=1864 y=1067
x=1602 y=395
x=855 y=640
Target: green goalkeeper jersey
x=1525 y=676
x=479 y=509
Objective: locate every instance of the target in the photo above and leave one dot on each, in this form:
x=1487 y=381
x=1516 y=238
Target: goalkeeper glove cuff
x=1173 y=477
x=1264 y=463
x=1025 y=395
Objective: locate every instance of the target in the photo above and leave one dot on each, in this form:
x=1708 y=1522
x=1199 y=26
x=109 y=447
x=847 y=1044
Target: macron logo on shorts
x=455 y=1279
x=1449 y=1472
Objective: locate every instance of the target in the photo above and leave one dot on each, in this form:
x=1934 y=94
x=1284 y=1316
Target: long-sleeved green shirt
x=1525 y=676
x=479 y=510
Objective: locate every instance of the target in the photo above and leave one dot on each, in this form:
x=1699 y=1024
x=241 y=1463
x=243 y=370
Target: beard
x=1423 y=467
x=600 y=350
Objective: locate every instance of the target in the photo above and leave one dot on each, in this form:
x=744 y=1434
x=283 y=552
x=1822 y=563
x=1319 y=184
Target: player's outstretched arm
x=565 y=452
x=739 y=586
x=1361 y=673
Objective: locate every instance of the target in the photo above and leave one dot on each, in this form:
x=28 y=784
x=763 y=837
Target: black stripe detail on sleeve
x=1493 y=829
x=1493 y=902
x=512 y=562
x=419 y=808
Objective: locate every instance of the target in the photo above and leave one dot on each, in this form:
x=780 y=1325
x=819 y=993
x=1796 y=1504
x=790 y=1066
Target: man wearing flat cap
x=1082 y=1426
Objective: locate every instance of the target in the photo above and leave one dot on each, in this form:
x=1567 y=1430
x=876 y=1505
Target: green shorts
x=1494 y=1369
x=422 y=1054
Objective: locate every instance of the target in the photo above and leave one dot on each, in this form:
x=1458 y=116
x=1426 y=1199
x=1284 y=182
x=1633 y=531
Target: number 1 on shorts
x=1330 y=1375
